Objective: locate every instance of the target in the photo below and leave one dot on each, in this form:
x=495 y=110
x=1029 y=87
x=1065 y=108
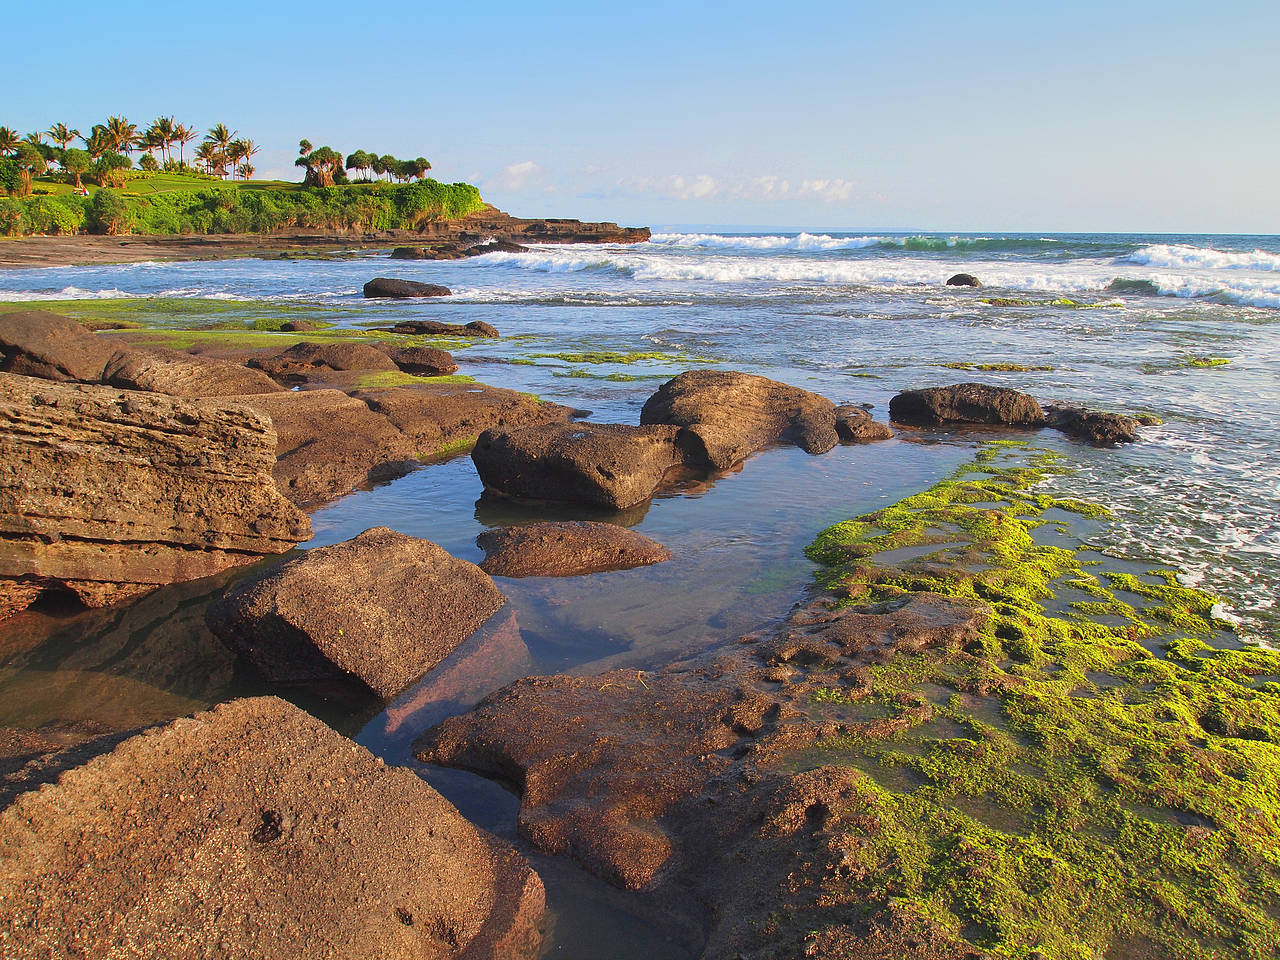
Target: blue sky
x=1085 y=116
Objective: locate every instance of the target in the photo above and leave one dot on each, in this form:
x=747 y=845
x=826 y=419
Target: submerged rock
x=383 y=608
x=111 y=493
x=963 y=280
x=856 y=425
x=183 y=375
x=1094 y=426
x=726 y=416
x=299 y=361
x=610 y=465
x=37 y=343
x=396 y=289
x=253 y=830
x=566 y=549
x=966 y=403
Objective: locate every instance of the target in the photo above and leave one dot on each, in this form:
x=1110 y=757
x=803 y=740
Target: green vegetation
x=1001 y=367
x=449 y=449
x=397 y=378
x=1207 y=361
x=1086 y=777
x=615 y=356
x=1059 y=302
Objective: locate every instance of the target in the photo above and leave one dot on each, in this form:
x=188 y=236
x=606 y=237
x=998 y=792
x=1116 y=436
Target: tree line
x=326 y=166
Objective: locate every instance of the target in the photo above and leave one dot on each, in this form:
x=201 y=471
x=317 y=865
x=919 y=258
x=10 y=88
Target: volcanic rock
x=298 y=326
x=410 y=253
x=476 y=328
x=964 y=280
x=727 y=416
x=426 y=361
x=1094 y=426
x=110 y=493
x=36 y=343
x=183 y=375
x=494 y=246
x=392 y=288
x=384 y=608
x=302 y=359
x=855 y=425
x=566 y=549
x=254 y=830
x=610 y=465
x=966 y=403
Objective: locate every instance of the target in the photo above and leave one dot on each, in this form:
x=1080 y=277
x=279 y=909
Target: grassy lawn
x=150 y=183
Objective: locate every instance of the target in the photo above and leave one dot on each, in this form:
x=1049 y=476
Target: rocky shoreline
x=743 y=789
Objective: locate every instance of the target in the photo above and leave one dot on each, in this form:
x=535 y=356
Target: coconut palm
x=9 y=140
x=97 y=142
x=182 y=135
x=122 y=136
x=206 y=153
x=220 y=136
x=159 y=135
x=62 y=135
x=241 y=151
x=236 y=151
x=35 y=138
x=245 y=170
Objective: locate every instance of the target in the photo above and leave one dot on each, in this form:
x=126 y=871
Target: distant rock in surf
x=964 y=280
x=966 y=403
x=397 y=289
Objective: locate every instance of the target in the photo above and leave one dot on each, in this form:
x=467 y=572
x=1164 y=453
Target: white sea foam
x=804 y=241
x=1182 y=255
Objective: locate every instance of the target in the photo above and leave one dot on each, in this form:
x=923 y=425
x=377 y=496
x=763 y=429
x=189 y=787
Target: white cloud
x=768 y=188
x=828 y=191
x=764 y=188
x=518 y=176
x=673 y=187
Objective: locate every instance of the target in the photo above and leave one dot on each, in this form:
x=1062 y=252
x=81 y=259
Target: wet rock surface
x=963 y=280
x=609 y=465
x=566 y=549
x=966 y=403
x=109 y=493
x=301 y=360
x=856 y=425
x=397 y=289
x=426 y=361
x=383 y=608
x=37 y=343
x=1092 y=426
x=255 y=830
x=726 y=416
x=476 y=328
x=181 y=374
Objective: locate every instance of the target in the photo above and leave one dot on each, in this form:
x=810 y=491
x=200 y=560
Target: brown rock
x=36 y=343
x=963 y=280
x=426 y=361
x=253 y=830
x=396 y=289
x=298 y=326
x=727 y=416
x=1093 y=426
x=410 y=253
x=303 y=359
x=183 y=375
x=383 y=608
x=966 y=403
x=110 y=493
x=494 y=246
x=610 y=465
x=855 y=425
x=566 y=549
x=476 y=328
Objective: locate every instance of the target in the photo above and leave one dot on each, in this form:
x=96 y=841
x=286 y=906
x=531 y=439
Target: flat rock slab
x=396 y=289
x=566 y=549
x=253 y=830
x=181 y=374
x=727 y=416
x=110 y=493
x=36 y=343
x=383 y=608
x=609 y=465
x=966 y=403
x=301 y=360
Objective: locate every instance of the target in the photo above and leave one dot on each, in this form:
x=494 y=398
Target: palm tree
x=207 y=153
x=97 y=142
x=182 y=135
x=62 y=135
x=236 y=151
x=221 y=138
x=242 y=151
x=245 y=170
x=35 y=138
x=122 y=136
x=9 y=140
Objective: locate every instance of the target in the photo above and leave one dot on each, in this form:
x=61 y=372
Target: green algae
x=999 y=367
x=187 y=311
x=1095 y=775
x=1207 y=361
x=578 y=373
x=449 y=449
x=398 y=378
x=618 y=357
x=1065 y=302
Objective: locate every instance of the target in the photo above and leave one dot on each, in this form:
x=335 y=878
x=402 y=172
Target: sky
x=1120 y=116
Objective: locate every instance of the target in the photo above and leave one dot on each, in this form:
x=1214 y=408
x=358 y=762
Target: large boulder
x=966 y=403
x=566 y=549
x=383 y=608
x=302 y=360
x=963 y=280
x=396 y=289
x=36 y=343
x=1093 y=426
x=608 y=465
x=423 y=361
x=110 y=493
x=183 y=375
x=855 y=425
x=253 y=830
x=727 y=416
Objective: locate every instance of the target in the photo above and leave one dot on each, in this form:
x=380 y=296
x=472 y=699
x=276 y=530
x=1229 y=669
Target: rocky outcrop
x=476 y=328
x=854 y=424
x=609 y=465
x=963 y=280
x=36 y=343
x=1093 y=426
x=383 y=608
x=424 y=361
x=183 y=375
x=110 y=493
x=966 y=403
x=566 y=549
x=253 y=830
x=492 y=224
x=396 y=289
x=494 y=246
x=726 y=416
x=301 y=360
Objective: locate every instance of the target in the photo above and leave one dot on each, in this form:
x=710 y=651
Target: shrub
x=10 y=175
x=110 y=213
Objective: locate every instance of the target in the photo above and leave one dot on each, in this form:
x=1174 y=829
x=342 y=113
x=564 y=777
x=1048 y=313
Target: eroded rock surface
x=476 y=328
x=726 y=416
x=37 y=343
x=427 y=361
x=610 y=465
x=963 y=280
x=397 y=289
x=254 y=830
x=110 y=493
x=966 y=403
x=181 y=374
x=1093 y=426
x=856 y=425
x=383 y=608
x=566 y=549
x=299 y=361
